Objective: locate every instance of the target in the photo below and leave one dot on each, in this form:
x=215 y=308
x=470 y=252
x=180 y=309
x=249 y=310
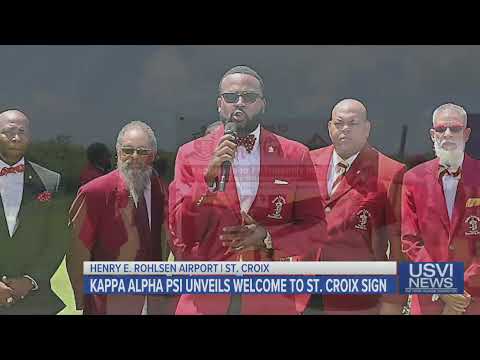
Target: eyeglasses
x=139 y=151
x=248 y=97
x=453 y=129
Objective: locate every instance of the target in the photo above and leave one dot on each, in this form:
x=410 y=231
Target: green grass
x=62 y=287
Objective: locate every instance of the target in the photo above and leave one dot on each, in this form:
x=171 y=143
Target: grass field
x=61 y=286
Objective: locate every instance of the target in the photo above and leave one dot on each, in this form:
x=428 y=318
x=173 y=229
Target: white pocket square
x=280 y=182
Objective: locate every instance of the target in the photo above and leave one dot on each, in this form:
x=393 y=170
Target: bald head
x=350 y=106
x=13 y=115
x=349 y=127
x=14 y=135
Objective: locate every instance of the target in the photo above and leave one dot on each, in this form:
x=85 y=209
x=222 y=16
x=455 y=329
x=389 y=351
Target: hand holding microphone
x=221 y=162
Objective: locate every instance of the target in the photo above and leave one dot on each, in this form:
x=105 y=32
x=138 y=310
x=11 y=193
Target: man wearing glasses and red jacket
x=118 y=217
x=441 y=212
x=269 y=210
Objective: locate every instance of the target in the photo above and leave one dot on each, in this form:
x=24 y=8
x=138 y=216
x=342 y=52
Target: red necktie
x=340 y=170
x=141 y=220
x=247 y=141
x=12 y=170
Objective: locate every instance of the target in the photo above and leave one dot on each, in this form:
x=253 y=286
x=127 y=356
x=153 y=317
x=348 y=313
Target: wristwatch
x=268 y=241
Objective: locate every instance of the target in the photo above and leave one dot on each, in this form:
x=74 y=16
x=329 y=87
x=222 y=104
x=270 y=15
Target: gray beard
x=136 y=180
x=449 y=158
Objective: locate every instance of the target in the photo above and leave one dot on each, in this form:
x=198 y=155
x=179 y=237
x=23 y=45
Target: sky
x=91 y=92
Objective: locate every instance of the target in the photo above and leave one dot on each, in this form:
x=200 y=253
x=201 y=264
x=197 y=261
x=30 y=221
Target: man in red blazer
x=270 y=209
x=118 y=217
x=441 y=212
x=360 y=189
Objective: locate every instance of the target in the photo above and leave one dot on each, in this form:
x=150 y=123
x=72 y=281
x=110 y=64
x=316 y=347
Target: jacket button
x=451 y=247
x=328 y=209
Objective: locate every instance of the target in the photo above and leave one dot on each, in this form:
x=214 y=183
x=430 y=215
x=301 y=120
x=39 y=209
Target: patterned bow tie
x=248 y=142
x=12 y=170
x=442 y=171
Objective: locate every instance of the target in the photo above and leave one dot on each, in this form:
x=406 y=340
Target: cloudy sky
x=90 y=92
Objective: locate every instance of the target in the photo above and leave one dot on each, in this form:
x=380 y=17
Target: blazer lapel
x=440 y=209
x=356 y=174
x=3 y=221
x=270 y=153
x=323 y=164
x=32 y=186
x=465 y=190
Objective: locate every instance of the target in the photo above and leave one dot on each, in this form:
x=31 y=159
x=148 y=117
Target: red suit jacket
x=362 y=217
x=429 y=235
x=287 y=204
x=98 y=228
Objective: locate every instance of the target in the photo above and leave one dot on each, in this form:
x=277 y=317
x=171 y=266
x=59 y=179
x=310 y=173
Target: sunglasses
x=453 y=129
x=248 y=97
x=139 y=151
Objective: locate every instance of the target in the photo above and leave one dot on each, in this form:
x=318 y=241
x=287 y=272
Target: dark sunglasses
x=454 y=129
x=248 y=97
x=139 y=151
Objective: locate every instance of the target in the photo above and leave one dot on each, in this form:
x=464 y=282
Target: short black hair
x=97 y=151
x=241 y=69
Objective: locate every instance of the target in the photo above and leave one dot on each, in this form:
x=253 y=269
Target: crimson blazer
x=429 y=235
x=99 y=229
x=362 y=218
x=287 y=203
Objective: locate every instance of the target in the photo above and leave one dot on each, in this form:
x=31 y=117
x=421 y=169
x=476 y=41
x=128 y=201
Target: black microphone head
x=231 y=128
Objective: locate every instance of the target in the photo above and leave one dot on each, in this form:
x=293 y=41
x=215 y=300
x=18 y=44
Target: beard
x=452 y=159
x=250 y=125
x=136 y=179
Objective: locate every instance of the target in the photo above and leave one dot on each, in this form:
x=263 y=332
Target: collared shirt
x=11 y=191
x=332 y=175
x=450 y=185
x=246 y=169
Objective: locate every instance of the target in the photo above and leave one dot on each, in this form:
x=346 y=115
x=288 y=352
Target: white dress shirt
x=11 y=190
x=332 y=175
x=246 y=168
x=450 y=185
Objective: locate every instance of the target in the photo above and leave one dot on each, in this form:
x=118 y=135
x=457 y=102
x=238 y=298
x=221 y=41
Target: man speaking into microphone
x=242 y=193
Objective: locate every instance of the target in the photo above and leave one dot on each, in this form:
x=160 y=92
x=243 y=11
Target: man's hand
x=21 y=286
x=248 y=236
x=456 y=302
x=225 y=151
x=5 y=293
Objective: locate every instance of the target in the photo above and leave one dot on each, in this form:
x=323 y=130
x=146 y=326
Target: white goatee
x=452 y=159
x=135 y=179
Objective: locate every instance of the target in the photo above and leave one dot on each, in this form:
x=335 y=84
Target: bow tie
x=247 y=141
x=442 y=171
x=12 y=170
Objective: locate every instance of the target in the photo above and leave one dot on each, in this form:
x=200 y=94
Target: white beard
x=135 y=179
x=452 y=159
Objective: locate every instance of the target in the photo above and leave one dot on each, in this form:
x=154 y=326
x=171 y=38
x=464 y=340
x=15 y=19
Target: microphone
x=230 y=128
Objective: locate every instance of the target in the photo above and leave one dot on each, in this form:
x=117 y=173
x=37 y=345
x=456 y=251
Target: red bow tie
x=12 y=170
x=247 y=141
x=442 y=171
